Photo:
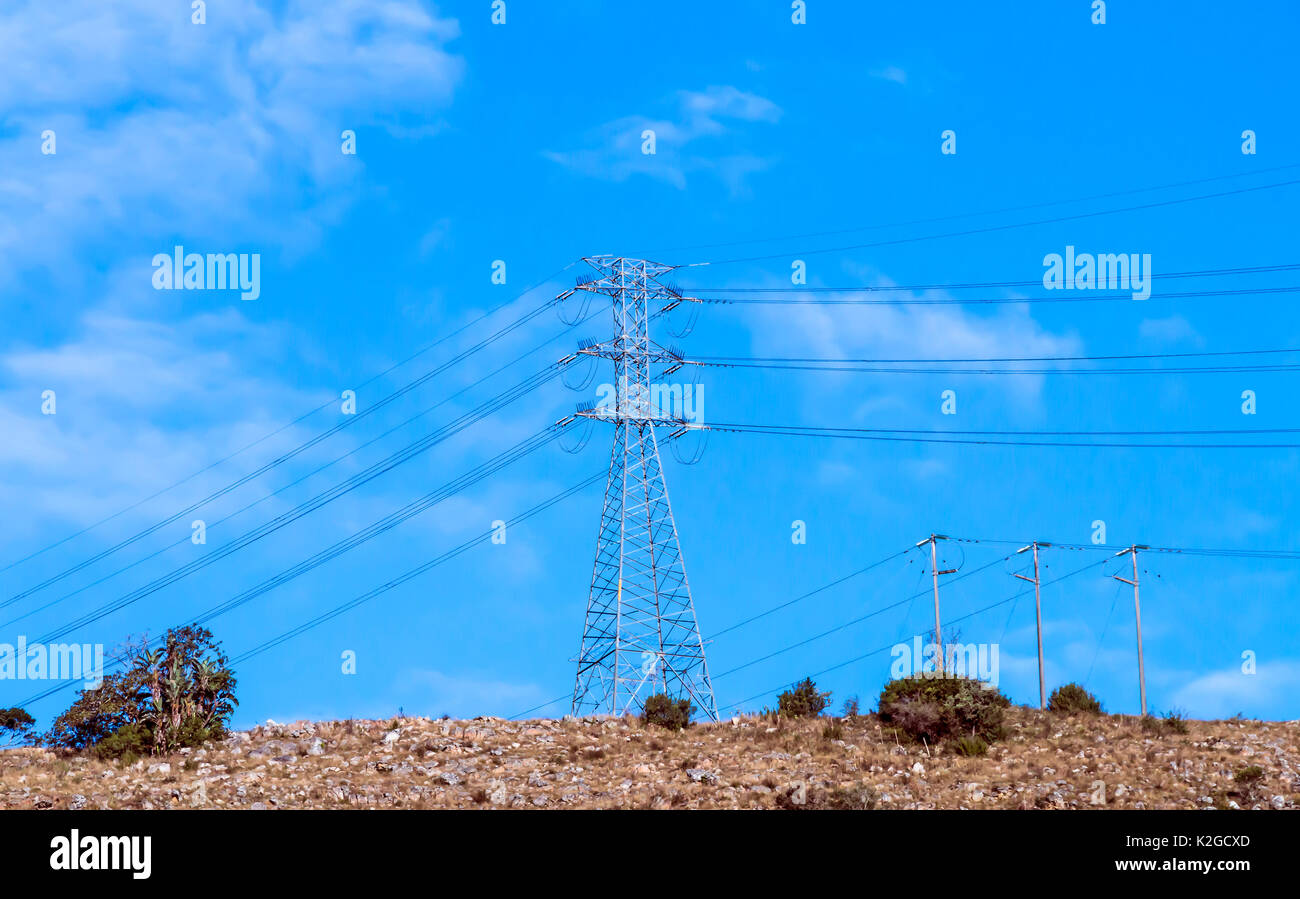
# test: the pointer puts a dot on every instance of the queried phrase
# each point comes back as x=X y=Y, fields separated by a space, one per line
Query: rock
x=1278 y=802
x=317 y=747
x=77 y=802
x=798 y=794
x=918 y=768
x=160 y=768
x=450 y=779
x=699 y=775
x=391 y=737
x=497 y=795
x=258 y=807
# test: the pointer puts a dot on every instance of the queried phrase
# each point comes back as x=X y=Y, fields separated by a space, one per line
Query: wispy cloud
x=176 y=127
x=613 y=151
x=890 y=73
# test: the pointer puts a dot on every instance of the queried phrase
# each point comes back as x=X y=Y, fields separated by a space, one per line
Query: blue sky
x=522 y=142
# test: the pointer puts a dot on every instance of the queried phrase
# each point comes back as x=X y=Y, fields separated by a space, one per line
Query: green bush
x=1072 y=698
x=127 y=743
x=1249 y=774
x=803 y=700
x=938 y=708
x=971 y=746
x=662 y=710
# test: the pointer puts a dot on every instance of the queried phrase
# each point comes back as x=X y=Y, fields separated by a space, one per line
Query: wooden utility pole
x=934 y=569
x=1137 y=610
x=1038 y=612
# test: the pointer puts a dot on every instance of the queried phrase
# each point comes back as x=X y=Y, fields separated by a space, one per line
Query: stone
x=699 y=775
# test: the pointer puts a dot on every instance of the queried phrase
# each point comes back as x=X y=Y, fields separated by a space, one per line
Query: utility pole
x=1137 y=610
x=1038 y=612
x=934 y=569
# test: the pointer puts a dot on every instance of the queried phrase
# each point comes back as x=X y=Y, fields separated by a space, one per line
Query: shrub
x=938 y=708
x=971 y=746
x=851 y=707
x=127 y=743
x=857 y=797
x=1072 y=698
x=1175 y=723
x=803 y=700
x=1249 y=774
x=662 y=710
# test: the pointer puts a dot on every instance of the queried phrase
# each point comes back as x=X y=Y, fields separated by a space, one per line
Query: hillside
x=752 y=762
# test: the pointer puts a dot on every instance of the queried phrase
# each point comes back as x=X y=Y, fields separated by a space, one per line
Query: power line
x=284 y=457
x=1006 y=227
x=316 y=502
x=383 y=588
x=353 y=603
x=1062 y=296
x=300 y=480
x=890 y=646
x=981 y=285
x=893 y=437
x=1020 y=208
x=862 y=369
x=420 y=352
x=974 y=359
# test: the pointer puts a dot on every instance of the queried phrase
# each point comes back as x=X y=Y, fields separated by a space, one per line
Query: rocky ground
x=757 y=762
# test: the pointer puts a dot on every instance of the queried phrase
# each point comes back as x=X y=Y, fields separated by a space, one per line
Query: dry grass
x=1046 y=761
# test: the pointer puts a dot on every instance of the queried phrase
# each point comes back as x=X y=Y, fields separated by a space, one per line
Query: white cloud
x=613 y=150
x=170 y=127
x=139 y=406
x=1269 y=692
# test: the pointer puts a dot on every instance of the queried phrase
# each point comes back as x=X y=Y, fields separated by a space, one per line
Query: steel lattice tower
x=640 y=636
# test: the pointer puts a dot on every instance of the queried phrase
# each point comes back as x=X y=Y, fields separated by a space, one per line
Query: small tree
x=17 y=728
x=662 y=710
x=180 y=694
x=1070 y=698
x=940 y=708
x=803 y=700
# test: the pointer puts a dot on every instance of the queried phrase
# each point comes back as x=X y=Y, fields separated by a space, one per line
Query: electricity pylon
x=641 y=636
